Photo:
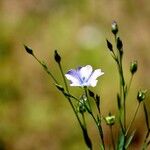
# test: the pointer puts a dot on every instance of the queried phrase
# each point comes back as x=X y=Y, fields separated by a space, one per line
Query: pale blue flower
x=83 y=76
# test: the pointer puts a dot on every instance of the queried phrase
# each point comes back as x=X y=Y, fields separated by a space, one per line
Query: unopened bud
x=141 y=95
x=114 y=27
x=81 y=107
x=110 y=120
x=133 y=66
x=57 y=57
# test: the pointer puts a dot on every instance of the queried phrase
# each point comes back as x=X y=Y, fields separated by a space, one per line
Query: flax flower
x=83 y=76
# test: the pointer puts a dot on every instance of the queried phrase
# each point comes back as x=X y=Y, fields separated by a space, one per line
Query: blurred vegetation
x=33 y=114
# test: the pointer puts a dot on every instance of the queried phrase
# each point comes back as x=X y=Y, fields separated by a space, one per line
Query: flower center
x=83 y=79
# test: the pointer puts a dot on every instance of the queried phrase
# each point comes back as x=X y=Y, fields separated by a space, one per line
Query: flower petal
x=73 y=76
x=93 y=83
x=85 y=72
x=92 y=80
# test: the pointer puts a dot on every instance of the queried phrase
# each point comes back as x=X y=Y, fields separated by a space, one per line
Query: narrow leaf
x=91 y=93
x=109 y=45
x=129 y=140
x=118 y=101
x=86 y=138
x=121 y=142
x=59 y=87
x=98 y=102
x=28 y=50
x=101 y=147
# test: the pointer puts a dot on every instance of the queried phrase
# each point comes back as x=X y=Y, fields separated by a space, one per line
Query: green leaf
x=129 y=140
x=121 y=142
x=118 y=101
x=87 y=138
x=59 y=87
x=109 y=45
x=101 y=147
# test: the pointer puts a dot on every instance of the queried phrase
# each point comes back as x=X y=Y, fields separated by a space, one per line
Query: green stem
x=131 y=122
x=99 y=129
x=67 y=89
x=98 y=126
x=84 y=122
x=122 y=95
x=46 y=69
x=122 y=83
x=62 y=73
x=89 y=109
x=129 y=85
x=145 y=145
x=123 y=92
x=86 y=94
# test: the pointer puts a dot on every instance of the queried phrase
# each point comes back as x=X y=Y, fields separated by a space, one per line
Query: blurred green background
x=33 y=114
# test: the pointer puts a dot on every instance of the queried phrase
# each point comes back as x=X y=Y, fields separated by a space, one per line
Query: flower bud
x=28 y=50
x=114 y=27
x=133 y=66
x=57 y=57
x=141 y=95
x=81 y=107
x=110 y=120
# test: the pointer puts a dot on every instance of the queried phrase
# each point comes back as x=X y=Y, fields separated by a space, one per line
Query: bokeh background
x=33 y=114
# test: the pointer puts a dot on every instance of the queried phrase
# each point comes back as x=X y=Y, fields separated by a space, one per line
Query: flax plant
x=84 y=77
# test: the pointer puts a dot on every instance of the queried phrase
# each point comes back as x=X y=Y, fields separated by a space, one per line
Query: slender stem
x=46 y=69
x=89 y=109
x=67 y=89
x=122 y=83
x=129 y=85
x=84 y=122
x=131 y=122
x=112 y=137
x=123 y=92
x=99 y=129
x=98 y=126
x=145 y=145
x=86 y=94
x=65 y=82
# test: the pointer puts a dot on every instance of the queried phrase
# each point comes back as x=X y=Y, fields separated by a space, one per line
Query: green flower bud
x=141 y=95
x=110 y=120
x=57 y=57
x=133 y=66
x=81 y=107
x=114 y=27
